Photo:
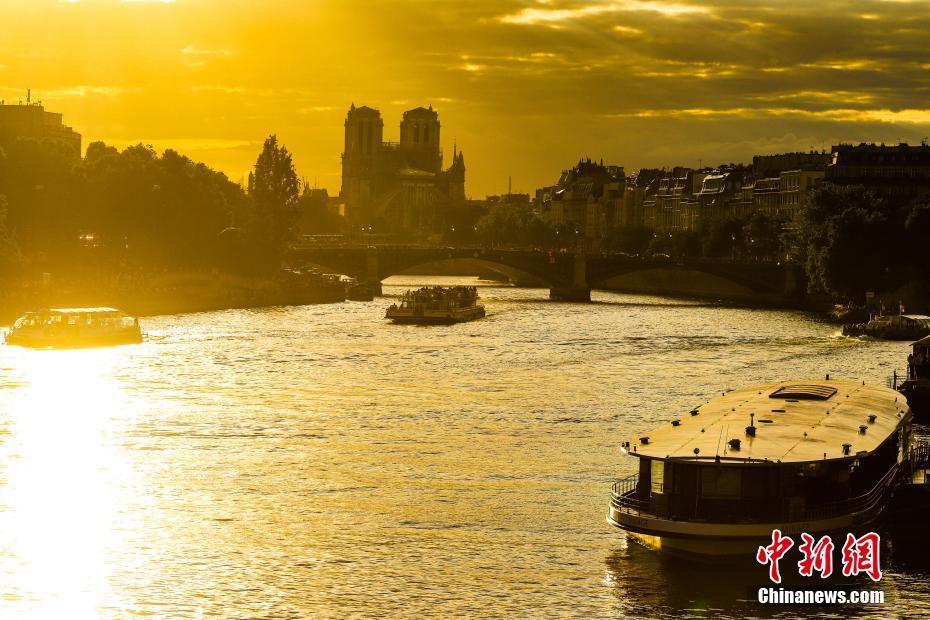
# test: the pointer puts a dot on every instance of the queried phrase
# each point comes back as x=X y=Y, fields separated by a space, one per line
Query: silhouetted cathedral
x=396 y=187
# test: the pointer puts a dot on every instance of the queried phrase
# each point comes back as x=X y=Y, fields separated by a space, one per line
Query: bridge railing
x=350 y=244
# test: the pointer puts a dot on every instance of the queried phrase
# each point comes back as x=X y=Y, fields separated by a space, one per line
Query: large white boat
x=815 y=456
x=67 y=328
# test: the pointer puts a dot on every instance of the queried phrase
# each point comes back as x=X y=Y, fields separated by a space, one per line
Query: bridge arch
x=727 y=280
x=374 y=264
x=569 y=275
x=477 y=266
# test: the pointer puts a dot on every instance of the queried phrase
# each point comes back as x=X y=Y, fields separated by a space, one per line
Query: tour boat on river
x=437 y=305
x=815 y=456
x=68 y=328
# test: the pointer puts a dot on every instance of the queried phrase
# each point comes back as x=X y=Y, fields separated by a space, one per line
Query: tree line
x=118 y=211
x=854 y=240
x=115 y=211
x=849 y=239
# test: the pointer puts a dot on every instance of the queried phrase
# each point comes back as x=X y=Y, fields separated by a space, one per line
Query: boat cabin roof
x=794 y=421
x=83 y=311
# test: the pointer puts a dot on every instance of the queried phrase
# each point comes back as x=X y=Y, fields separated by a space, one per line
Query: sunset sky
x=526 y=88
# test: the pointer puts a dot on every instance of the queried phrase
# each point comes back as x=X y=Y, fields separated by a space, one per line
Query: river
x=317 y=461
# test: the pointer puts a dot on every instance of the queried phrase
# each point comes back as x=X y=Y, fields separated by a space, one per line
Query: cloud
x=216 y=88
x=86 y=91
x=549 y=15
x=535 y=83
x=116 y=1
x=192 y=50
x=833 y=115
x=189 y=145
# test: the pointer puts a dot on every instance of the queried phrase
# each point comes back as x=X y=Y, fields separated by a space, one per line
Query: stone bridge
x=571 y=275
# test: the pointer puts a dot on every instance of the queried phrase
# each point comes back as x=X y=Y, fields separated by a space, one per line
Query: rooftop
x=805 y=421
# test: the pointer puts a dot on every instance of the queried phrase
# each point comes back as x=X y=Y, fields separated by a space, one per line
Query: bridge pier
x=579 y=289
x=372 y=274
x=569 y=293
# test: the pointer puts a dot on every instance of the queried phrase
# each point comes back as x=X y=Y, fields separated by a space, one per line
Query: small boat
x=437 y=305
x=359 y=292
x=815 y=456
x=916 y=388
x=356 y=291
x=70 y=328
x=892 y=327
x=310 y=286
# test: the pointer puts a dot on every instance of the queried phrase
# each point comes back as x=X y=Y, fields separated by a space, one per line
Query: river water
x=318 y=462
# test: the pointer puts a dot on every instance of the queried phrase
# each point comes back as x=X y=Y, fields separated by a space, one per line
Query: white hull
x=729 y=539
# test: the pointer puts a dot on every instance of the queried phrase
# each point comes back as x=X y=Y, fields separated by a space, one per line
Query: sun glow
x=57 y=498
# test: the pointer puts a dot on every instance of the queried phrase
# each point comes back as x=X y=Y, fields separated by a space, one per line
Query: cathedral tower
x=419 y=139
x=363 y=133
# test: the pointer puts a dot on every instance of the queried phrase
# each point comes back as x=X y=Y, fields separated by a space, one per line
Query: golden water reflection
x=319 y=462
x=62 y=481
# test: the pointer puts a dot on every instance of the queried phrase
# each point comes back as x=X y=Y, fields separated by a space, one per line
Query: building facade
x=900 y=172
x=32 y=121
x=784 y=182
x=795 y=191
x=398 y=188
x=768 y=166
x=586 y=201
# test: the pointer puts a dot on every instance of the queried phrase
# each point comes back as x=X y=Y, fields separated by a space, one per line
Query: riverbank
x=174 y=293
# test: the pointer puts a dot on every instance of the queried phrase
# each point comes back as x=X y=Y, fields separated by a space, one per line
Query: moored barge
x=815 y=456
x=437 y=305
x=892 y=327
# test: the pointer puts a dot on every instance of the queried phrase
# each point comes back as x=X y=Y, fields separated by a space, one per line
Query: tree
x=515 y=224
x=853 y=239
x=917 y=231
x=763 y=236
x=630 y=239
x=315 y=216
x=274 y=191
x=10 y=257
x=724 y=238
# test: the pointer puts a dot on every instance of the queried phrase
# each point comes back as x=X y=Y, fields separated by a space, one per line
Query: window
x=658 y=476
x=721 y=482
x=804 y=392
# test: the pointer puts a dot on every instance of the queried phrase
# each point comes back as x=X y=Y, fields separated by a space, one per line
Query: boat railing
x=625 y=498
x=919 y=456
x=896 y=378
x=861 y=503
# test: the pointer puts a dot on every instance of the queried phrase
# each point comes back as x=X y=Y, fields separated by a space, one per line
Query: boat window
x=804 y=392
x=721 y=481
x=658 y=476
